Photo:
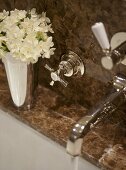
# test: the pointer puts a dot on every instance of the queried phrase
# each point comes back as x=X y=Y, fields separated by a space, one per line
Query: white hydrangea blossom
x=25 y=35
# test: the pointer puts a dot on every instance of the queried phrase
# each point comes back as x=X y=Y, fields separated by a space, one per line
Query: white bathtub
x=23 y=148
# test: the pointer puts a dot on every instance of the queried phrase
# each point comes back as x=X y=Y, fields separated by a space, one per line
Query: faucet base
x=75 y=62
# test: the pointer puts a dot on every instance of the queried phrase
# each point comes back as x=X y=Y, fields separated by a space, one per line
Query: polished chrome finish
x=70 y=65
x=118 y=39
x=117 y=54
x=56 y=76
x=114 y=57
x=103 y=109
x=119 y=82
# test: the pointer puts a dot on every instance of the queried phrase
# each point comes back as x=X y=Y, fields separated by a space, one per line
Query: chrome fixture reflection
x=70 y=65
x=103 y=109
x=115 y=52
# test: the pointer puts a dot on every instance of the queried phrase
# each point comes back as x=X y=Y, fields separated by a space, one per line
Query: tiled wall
x=72 y=21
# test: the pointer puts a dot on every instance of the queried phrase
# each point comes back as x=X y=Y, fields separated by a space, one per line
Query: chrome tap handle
x=55 y=75
x=70 y=65
x=49 y=68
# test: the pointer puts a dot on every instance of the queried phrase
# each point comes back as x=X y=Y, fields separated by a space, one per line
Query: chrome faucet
x=103 y=109
x=70 y=65
x=115 y=51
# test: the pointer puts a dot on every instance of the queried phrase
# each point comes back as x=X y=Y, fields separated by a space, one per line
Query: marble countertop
x=104 y=145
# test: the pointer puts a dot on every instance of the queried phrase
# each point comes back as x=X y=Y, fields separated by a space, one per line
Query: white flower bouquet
x=24 y=37
x=24 y=34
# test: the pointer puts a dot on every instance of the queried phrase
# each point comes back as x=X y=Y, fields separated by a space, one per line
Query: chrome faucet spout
x=104 y=108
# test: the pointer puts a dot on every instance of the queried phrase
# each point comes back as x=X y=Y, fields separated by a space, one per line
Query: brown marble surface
x=104 y=145
x=72 y=21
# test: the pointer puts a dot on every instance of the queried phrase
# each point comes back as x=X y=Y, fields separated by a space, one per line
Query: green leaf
x=3 y=33
x=4 y=46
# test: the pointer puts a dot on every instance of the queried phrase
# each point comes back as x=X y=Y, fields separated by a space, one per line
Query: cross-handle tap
x=96 y=114
x=115 y=51
x=55 y=76
x=70 y=65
